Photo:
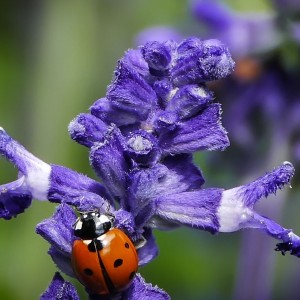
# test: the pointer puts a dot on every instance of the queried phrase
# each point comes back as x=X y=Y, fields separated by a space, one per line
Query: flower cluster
x=262 y=104
x=156 y=113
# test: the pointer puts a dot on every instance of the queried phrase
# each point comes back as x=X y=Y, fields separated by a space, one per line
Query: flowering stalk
x=157 y=112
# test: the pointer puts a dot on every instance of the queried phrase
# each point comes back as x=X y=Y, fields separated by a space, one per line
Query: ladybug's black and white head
x=90 y=225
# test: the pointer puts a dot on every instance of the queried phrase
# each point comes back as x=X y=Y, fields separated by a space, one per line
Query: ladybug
x=104 y=259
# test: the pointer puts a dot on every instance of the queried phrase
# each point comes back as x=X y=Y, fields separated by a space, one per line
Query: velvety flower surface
x=141 y=136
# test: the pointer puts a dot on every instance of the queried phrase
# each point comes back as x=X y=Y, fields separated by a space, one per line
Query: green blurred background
x=56 y=58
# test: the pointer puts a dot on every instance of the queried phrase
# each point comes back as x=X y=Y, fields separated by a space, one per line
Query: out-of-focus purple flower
x=293 y=6
x=157 y=112
x=243 y=33
x=266 y=49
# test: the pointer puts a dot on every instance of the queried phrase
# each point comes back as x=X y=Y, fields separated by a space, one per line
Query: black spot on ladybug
x=131 y=275
x=118 y=262
x=88 y=272
x=126 y=245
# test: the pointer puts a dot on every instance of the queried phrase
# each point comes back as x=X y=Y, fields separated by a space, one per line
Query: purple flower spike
x=141 y=136
x=201 y=62
x=60 y=289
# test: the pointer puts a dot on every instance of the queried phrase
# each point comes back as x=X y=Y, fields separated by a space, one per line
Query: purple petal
x=267 y=184
x=125 y=222
x=203 y=132
x=36 y=172
x=109 y=163
x=189 y=100
x=139 y=289
x=165 y=122
x=199 y=62
x=189 y=174
x=87 y=129
x=235 y=210
x=176 y=176
x=196 y=209
x=62 y=260
x=135 y=59
x=14 y=198
x=142 y=190
x=33 y=180
x=130 y=93
x=150 y=250
x=164 y=90
x=60 y=289
x=58 y=230
x=68 y=186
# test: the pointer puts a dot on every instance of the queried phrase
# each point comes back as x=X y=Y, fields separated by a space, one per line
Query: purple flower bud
x=201 y=62
x=130 y=92
x=107 y=159
x=164 y=91
x=165 y=122
x=142 y=148
x=189 y=100
x=158 y=56
x=104 y=110
x=87 y=129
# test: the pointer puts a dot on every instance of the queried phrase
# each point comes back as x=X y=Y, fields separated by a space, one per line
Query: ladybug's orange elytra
x=104 y=264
